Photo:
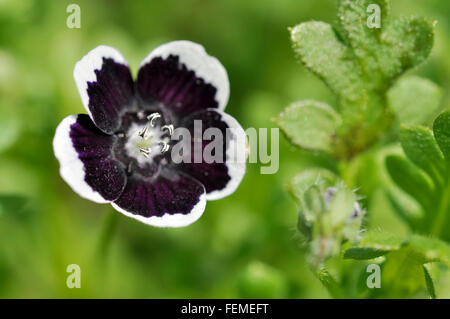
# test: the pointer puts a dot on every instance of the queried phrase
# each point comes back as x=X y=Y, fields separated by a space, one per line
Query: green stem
x=106 y=236
x=329 y=283
x=439 y=219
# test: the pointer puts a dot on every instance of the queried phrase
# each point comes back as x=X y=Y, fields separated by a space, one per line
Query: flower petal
x=219 y=178
x=105 y=85
x=84 y=154
x=184 y=77
x=174 y=201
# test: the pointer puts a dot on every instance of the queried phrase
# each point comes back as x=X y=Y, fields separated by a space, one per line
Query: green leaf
x=342 y=206
x=388 y=51
x=321 y=51
x=430 y=249
x=353 y=20
x=353 y=17
x=441 y=129
x=425 y=249
x=364 y=253
x=413 y=221
x=352 y=228
x=381 y=241
x=302 y=181
x=429 y=283
x=310 y=125
x=410 y=179
x=304 y=227
x=402 y=272
x=419 y=145
x=403 y=269
x=409 y=42
x=414 y=100
x=313 y=201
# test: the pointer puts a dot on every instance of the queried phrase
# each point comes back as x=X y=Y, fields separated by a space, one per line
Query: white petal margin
x=84 y=69
x=195 y=58
x=236 y=157
x=169 y=220
x=71 y=167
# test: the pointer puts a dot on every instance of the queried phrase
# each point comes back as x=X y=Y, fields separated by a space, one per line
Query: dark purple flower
x=119 y=154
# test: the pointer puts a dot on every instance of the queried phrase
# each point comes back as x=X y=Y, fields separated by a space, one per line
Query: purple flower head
x=121 y=152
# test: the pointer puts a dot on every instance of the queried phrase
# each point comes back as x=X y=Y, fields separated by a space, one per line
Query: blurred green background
x=244 y=245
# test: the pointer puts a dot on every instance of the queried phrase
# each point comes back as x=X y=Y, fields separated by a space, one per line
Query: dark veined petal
x=174 y=201
x=184 y=78
x=219 y=178
x=84 y=154
x=105 y=85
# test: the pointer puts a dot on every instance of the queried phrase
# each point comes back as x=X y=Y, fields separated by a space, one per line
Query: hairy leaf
x=313 y=202
x=320 y=50
x=365 y=42
x=301 y=182
x=342 y=206
x=430 y=249
x=309 y=124
x=378 y=47
x=353 y=20
x=364 y=253
x=410 y=179
x=403 y=269
x=403 y=272
x=381 y=241
x=419 y=145
x=414 y=100
x=413 y=221
x=429 y=283
x=416 y=36
x=421 y=248
x=441 y=129
x=304 y=227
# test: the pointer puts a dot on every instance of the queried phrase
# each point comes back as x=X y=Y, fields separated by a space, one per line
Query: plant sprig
x=360 y=66
x=363 y=67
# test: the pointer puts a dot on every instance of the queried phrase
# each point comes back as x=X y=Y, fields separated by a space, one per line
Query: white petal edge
x=194 y=56
x=169 y=220
x=71 y=167
x=84 y=69
x=236 y=156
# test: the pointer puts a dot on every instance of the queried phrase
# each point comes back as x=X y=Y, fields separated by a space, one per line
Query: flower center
x=146 y=141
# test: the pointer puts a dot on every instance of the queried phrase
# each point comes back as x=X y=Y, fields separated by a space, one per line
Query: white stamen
x=143 y=132
x=152 y=117
x=145 y=151
x=169 y=128
x=147 y=136
x=164 y=147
